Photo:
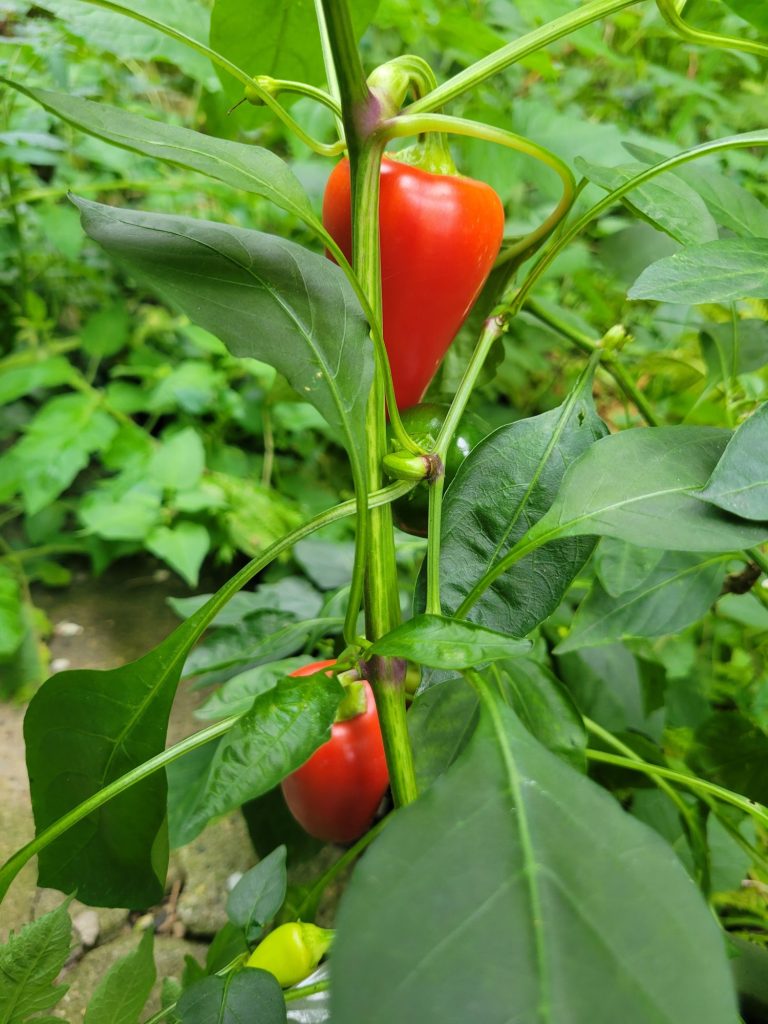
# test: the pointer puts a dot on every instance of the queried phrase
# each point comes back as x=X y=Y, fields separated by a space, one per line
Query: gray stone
x=206 y=865
x=84 y=975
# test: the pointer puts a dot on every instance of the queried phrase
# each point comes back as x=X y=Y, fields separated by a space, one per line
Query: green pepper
x=291 y=952
x=423 y=423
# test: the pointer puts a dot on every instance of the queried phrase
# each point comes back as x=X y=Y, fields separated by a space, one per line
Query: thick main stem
x=360 y=112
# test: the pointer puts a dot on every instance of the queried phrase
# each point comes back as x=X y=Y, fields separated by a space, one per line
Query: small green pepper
x=291 y=952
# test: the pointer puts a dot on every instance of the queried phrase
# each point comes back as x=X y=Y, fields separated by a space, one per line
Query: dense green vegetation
x=127 y=428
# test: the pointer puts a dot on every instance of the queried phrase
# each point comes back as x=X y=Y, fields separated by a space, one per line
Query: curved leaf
x=263 y=296
x=739 y=482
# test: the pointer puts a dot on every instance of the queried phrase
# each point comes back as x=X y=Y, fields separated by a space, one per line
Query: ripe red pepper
x=440 y=235
x=335 y=794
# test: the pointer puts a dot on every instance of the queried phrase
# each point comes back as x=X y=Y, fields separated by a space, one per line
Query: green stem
x=688 y=815
x=14 y=864
x=382 y=613
x=308 y=906
x=760 y=560
x=587 y=345
x=277 y=85
x=672 y=16
x=306 y=990
x=433 y=605
x=10 y=869
x=516 y=51
x=754 y=809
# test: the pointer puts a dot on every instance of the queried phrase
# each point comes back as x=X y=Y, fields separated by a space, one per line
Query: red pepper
x=440 y=235
x=335 y=794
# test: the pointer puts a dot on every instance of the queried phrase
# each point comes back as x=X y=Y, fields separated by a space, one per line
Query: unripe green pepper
x=291 y=952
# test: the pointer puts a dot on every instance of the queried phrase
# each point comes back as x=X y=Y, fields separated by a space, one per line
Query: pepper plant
x=508 y=882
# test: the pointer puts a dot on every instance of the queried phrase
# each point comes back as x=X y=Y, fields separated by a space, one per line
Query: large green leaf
x=247 y=168
x=279 y=38
x=739 y=482
x=506 y=484
x=678 y=592
x=639 y=486
x=753 y=11
x=719 y=271
x=539 y=900
x=265 y=297
x=666 y=201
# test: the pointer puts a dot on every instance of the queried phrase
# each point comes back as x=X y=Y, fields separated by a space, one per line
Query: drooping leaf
x=678 y=592
x=506 y=484
x=120 y=996
x=739 y=481
x=545 y=885
x=263 y=296
x=248 y=995
x=451 y=644
x=30 y=962
x=666 y=201
x=719 y=271
x=11 y=617
x=639 y=486
x=259 y=894
x=283 y=727
x=247 y=168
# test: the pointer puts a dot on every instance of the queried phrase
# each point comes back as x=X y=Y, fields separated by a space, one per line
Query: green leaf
x=20 y=381
x=667 y=202
x=107 y=330
x=120 y=996
x=83 y=729
x=178 y=463
x=182 y=546
x=56 y=445
x=129 y=39
x=753 y=11
x=440 y=642
x=720 y=271
x=259 y=894
x=280 y=39
x=186 y=776
x=506 y=484
x=545 y=885
x=441 y=721
x=30 y=962
x=247 y=168
x=733 y=751
x=731 y=205
x=622 y=567
x=678 y=592
x=283 y=727
x=248 y=995
x=639 y=486
x=735 y=348
x=11 y=618
x=739 y=481
x=115 y=513
x=237 y=694
x=265 y=297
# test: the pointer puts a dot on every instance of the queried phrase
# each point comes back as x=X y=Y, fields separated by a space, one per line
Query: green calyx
x=401 y=465
x=354 y=702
